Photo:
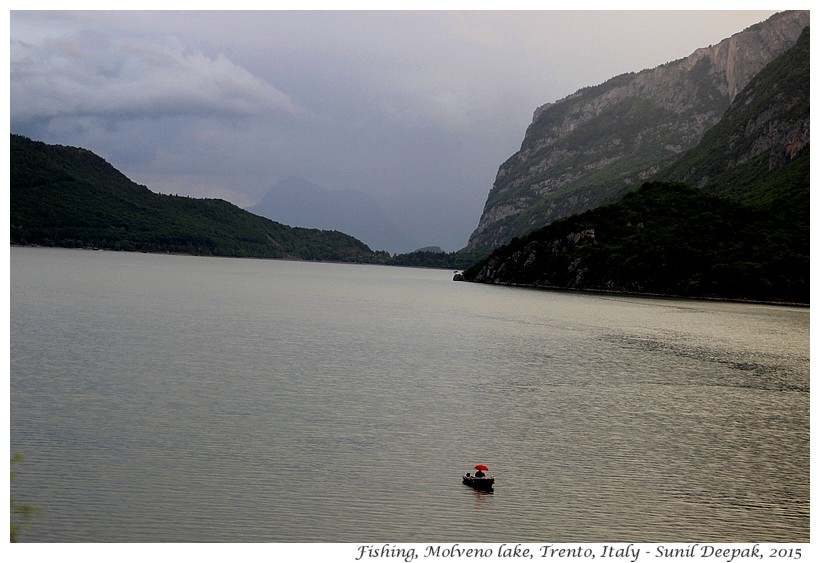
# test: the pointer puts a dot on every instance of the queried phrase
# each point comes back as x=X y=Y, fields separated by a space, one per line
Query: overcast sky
x=417 y=109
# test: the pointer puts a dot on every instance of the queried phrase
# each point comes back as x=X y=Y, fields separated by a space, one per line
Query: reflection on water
x=161 y=398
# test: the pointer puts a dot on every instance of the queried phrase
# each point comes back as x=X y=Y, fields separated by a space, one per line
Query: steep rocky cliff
x=764 y=134
x=738 y=228
x=597 y=144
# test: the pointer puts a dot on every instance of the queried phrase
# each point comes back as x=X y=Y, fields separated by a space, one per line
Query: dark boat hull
x=479 y=483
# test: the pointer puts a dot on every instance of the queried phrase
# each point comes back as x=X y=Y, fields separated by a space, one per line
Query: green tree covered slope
x=70 y=197
x=664 y=239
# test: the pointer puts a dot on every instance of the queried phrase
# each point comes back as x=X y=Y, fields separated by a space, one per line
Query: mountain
x=741 y=232
x=295 y=201
x=599 y=143
x=759 y=151
x=70 y=197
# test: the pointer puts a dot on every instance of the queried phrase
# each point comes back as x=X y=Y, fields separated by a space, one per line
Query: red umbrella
x=482 y=467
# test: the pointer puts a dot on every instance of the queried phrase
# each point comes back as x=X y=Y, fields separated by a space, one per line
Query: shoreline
x=457 y=277
x=624 y=293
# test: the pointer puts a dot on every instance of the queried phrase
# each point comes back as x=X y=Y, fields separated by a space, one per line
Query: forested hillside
x=665 y=239
x=70 y=197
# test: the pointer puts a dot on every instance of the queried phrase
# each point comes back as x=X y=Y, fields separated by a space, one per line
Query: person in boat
x=479 y=474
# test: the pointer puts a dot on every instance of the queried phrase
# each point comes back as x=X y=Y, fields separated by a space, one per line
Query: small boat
x=478 y=483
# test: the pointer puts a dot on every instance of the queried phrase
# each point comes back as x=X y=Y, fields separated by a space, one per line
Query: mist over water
x=183 y=399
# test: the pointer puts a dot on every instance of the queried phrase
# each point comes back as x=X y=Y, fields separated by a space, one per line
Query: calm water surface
x=184 y=399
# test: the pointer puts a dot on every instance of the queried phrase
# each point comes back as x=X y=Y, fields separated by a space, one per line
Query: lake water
x=183 y=399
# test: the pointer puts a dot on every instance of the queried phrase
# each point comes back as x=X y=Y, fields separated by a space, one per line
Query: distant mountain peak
x=299 y=202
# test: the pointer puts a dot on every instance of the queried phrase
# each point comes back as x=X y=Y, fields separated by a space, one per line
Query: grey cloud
x=130 y=79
